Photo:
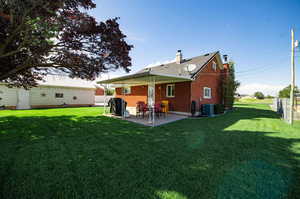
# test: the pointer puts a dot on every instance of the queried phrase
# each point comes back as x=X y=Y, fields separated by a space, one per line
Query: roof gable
x=180 y=69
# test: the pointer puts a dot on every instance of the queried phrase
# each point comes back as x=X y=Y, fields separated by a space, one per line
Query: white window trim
x=204 y=96
x=167 y=94
x=128 y=89
x=214 y=66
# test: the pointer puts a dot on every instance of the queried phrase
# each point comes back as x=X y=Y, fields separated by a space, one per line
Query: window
x=206 y=93
x=126 y=90
x=214 y=66
x=59 y=95
x=170 y=90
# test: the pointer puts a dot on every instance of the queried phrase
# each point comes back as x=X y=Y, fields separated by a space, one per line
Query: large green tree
x=230 y=85
x=285 y=93
x=259 y=95
x=42 y=36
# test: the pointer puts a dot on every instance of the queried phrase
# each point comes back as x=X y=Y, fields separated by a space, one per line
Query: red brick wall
x=207 y=78
x=99 y=91
x=181 y=101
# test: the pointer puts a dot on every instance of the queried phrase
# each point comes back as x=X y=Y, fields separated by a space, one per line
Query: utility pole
x=292 y=79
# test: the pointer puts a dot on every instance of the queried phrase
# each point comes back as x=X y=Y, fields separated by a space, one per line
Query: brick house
x=99 y=91
x=196 y=79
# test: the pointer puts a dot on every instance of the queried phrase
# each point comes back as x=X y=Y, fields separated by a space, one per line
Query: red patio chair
x=158 y=109
x=141 y=109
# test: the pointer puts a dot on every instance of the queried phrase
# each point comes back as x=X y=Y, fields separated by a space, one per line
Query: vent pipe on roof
x=178 y=57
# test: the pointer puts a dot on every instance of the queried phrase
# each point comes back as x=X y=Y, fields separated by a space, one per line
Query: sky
x=255 y=34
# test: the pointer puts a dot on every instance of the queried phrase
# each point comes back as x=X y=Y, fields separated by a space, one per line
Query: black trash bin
x=117 y=106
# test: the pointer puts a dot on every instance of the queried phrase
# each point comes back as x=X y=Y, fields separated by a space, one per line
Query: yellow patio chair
x=165 y=106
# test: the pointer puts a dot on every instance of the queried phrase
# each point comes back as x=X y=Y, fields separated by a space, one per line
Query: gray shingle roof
x=174 y=71
x=180 y=69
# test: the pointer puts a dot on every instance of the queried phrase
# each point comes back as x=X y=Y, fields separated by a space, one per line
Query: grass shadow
x=71 y=156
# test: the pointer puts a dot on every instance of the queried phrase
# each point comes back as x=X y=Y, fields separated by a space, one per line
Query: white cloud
x=136 y=38
x=159 y=63
x=267 y=89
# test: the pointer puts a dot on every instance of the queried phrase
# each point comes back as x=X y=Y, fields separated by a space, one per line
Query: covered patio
x=149 y=79
x=145 y=121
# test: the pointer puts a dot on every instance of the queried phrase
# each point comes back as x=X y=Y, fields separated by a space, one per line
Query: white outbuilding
x=53 y=91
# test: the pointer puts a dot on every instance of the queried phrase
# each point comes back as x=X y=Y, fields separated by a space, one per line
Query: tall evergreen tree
x=230 y=86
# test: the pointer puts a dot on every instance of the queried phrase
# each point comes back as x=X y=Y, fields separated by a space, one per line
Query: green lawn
x=77 y=153
x=255 y=101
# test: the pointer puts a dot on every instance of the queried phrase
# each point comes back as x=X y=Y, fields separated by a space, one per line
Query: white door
x=23 y=99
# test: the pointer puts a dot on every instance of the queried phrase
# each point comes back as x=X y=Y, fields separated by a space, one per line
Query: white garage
x=54 y=91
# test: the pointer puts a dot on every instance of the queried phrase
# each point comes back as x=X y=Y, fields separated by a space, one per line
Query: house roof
x=180 y=69
x=143 y=78
x=166 y=72
x=65 y=81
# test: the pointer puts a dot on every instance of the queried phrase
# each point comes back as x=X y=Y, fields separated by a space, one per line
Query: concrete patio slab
x=158 y=120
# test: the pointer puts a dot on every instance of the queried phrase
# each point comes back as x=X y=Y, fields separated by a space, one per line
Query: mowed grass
x=255 y=101
x=77 y=153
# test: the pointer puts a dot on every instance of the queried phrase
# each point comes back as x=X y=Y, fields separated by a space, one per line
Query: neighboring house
x=196 y=79
x=99 y=91
x=53 y=91
x=100 y=98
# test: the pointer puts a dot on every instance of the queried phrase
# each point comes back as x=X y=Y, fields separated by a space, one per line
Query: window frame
x=128 y=88
x=214 y=65
x=204 y=94
x=167 y=90
x=61 y=95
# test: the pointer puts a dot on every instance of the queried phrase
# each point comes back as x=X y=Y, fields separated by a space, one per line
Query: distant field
x=254 y=101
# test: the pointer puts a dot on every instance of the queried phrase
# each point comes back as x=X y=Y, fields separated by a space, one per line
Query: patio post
x=151 y=100
x=123 y=99
x=153 y=112
x=148 y=101
x=104 y=103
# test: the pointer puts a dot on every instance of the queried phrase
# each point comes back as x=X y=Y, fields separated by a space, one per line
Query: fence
x=101 y=100
x=282 y=107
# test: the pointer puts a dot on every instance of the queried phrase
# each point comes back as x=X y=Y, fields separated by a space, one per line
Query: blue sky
x=255 y=34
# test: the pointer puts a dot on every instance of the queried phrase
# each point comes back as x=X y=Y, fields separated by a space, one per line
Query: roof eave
x=144 y=74
x=135 y=75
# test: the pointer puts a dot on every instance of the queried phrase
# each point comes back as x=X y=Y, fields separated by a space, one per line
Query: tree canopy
x=41 y=36
x=230 y=85
x=285 y=93
x=259 y=95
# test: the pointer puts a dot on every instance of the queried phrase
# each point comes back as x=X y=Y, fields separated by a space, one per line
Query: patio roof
x=145 y=78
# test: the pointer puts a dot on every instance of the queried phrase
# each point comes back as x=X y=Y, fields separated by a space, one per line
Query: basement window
x=206 y=93
x=59 y=95
x=170 y=90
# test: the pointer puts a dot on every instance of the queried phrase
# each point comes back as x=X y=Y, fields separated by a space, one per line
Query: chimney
x=225 y=57
x=178 y=57
x=225 y=64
